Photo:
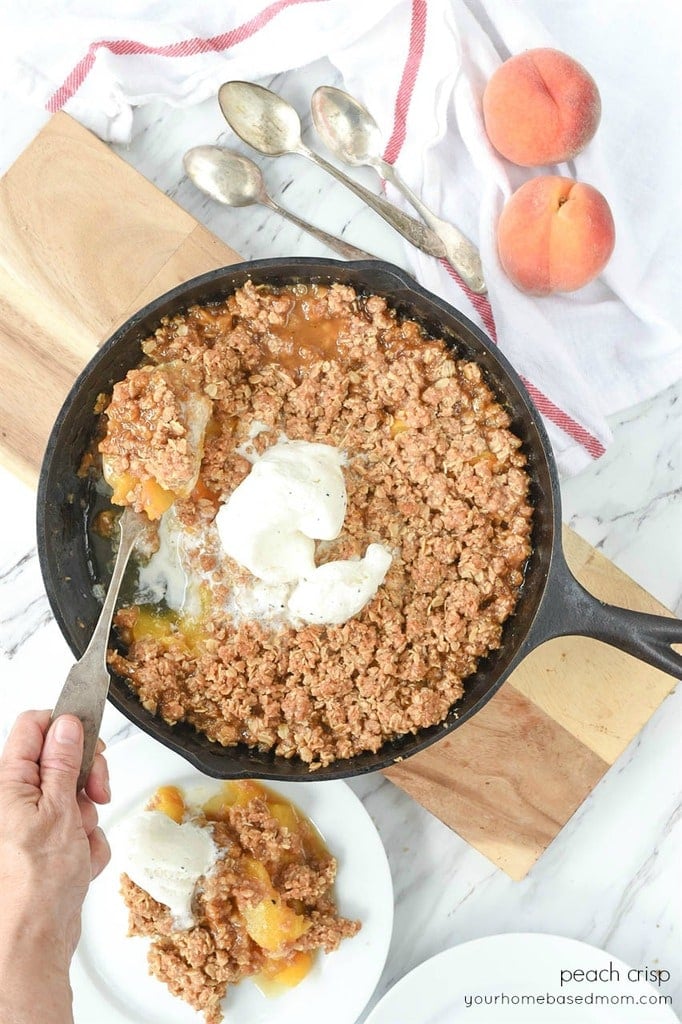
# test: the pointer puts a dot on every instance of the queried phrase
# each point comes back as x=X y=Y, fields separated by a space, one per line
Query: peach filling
x=270 y=922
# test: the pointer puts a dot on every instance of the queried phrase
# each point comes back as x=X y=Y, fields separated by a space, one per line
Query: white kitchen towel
x=421 y=66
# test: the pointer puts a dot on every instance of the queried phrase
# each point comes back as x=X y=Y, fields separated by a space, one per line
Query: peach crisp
x=264 y=909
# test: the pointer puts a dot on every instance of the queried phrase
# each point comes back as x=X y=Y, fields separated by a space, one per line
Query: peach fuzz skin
x=555 y=235
x=541 y=107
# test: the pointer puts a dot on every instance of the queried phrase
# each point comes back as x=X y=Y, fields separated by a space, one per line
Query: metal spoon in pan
x=85 y=690
x=236 y=181
x=270 y=125
x=350 y=132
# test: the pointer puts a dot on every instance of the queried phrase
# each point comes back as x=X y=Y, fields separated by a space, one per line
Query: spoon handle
x=85 y=690
x=345 y=249
x=459 y=251
x=415 y=232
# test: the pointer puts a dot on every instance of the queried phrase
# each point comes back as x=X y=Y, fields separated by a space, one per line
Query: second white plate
x=109 y=975
x=517 y=979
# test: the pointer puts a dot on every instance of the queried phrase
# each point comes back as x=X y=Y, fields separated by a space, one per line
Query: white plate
x=520 y=965
x=109 y=971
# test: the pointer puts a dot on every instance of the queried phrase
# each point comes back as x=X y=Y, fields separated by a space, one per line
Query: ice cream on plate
x=228 y=882
x=167 y=859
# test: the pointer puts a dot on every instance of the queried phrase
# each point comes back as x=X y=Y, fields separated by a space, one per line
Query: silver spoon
x=270 y=125
x=85 y=691
x=350 y=132
x=236 y=181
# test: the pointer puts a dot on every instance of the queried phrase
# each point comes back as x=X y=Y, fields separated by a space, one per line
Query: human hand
x=50 y=850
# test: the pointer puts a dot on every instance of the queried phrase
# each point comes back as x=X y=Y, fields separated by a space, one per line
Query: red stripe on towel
x=562 y=419
x=415 y=52
x=184 y=48
x=219 y=43
x=481 y=303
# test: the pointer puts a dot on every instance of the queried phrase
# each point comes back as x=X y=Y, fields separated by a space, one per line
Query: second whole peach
x=555 y=235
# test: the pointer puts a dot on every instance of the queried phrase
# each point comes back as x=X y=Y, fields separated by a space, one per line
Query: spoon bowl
x=227 y=177
x=261 y=118
x=349 y=131
x=270 y=125
x=237 y=181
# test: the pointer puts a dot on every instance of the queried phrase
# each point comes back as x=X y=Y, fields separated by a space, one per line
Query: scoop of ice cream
x=335 y=592
x=167 y=860
x=295 y=494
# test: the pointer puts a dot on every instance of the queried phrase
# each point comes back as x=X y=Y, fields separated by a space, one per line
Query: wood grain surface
x=510 y=778
x=507 y=780
x=85 y=241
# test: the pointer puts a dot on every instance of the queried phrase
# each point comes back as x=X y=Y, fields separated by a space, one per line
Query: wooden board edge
x=506 y=781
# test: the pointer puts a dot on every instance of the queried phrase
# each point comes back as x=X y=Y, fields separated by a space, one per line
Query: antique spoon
x=270 y=125
x=237 y=181
x=85 y=691
x=349 y=131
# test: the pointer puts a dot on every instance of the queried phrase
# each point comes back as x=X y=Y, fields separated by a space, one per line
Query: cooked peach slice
x=293 y=971
x=232 y=794
x=283 y=973
x=272 y=924
x=246 y=790
x=152 y=623
x=169 y=801
x=286 y=815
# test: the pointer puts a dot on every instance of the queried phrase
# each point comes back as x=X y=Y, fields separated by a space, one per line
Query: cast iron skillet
x=552 y=602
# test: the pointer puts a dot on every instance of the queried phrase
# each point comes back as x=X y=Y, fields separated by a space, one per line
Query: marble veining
x=611 y=877
x=24 y=607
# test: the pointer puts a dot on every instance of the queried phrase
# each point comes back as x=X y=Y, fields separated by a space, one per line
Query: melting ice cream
x=295 y=495
x=167 y=860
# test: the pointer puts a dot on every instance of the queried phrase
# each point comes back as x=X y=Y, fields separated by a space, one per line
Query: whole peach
x=541 y=107
x=555 y=235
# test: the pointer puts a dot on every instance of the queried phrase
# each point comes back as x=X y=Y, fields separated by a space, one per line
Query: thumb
x=60 y=758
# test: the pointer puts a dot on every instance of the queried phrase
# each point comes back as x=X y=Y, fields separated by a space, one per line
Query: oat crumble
x=433 y=470
x=266 y=909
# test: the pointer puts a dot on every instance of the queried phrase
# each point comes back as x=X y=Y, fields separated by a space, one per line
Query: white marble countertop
x=611 y=877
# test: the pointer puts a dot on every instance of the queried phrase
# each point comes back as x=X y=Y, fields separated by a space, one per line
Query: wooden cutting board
x=84 y=242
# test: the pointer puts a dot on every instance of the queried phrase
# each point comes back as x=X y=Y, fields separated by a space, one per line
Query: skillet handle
x=569 y=610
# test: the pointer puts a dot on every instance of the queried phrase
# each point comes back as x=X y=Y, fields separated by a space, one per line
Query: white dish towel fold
x=420 y=66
